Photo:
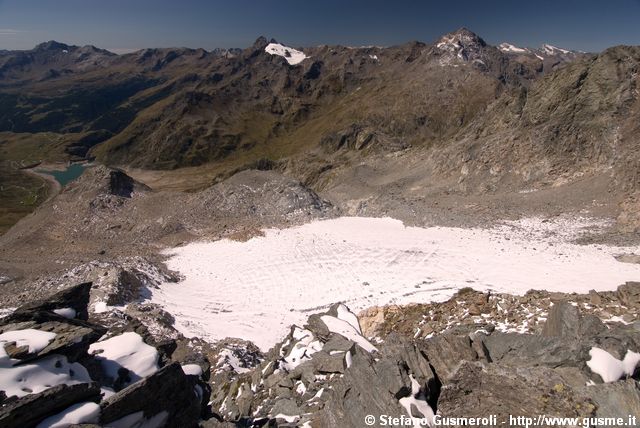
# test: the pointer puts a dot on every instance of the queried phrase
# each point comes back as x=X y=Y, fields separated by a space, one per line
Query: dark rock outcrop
x=478 y=390
x=379 y=386
x=73 y=336
x=469 y=369
x=167 y=397
x=169 y=390
x=120 y=184
x=27 y=411
x=76 y=298
x=565 y=320
x=447 y=352
x=629 y=294
x=616 y=399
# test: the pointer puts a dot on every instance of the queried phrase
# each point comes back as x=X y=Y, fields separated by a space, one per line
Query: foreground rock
x=162 y=397
x=54 y=369
x=33 y=408
x=328 y=373
x=119 y=368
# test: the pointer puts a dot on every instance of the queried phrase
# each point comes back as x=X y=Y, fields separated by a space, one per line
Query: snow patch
x=302 y=350
x=100 y=307
x=36 y=340
x=553 y=50
x=41 y=375
x=6 y=311
x=318 y=395
x=127 y=350
x=347 y=330
x=226 y=356
x=346 y=315
x=137 y=420
x=507 y=47
x=106 y=392
x=289 y=419
x=616 y=318
x=292 y=56
x=419 y=403
x=609 y=367
x=81 y=413
x=192 y=369
x=66 y=312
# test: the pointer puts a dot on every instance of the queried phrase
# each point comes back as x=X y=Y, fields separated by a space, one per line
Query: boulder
x=629 y=294
x=377 y=386
x=565 y=320
x=323 y=362
x=73 y=336
x=618 y=340
x=616 y=399
x=75 y=298
x=528 y=350
x=317 y=327
x=478 y=389
x=337 y=343
x=120 y=184
x=168 y=390
x=118 y=286
x=286 y=407
x=446 y=352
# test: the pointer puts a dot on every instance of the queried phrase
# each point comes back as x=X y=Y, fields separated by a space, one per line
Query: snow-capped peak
x=292 y=56
x=508 y=47
x=543 y=52
x=553 y=50
x=462 y=45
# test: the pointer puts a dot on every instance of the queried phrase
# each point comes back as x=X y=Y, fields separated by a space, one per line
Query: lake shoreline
x=53 y=186
x=45 y=172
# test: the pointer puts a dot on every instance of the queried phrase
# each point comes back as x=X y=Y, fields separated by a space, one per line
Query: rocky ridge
x=328 y=374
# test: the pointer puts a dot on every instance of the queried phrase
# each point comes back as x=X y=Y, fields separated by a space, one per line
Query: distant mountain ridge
x=103 y=93
x=481 y=113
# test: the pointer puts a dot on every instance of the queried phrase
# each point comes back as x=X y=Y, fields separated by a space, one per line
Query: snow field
x=256 y=289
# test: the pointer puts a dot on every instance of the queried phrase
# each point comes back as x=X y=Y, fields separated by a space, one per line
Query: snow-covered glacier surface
x=256 y=289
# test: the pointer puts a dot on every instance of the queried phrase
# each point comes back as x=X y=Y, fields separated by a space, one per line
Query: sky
x=126 y=25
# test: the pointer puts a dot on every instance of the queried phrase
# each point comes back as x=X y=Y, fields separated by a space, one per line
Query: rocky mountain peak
x=52 y=45
x=461 y=45
x=260 y=43
x=462 y=37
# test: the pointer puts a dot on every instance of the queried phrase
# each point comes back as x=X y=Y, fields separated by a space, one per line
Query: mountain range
x=481 y=118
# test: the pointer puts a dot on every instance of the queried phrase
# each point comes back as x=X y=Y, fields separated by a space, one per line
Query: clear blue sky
x=589 y=25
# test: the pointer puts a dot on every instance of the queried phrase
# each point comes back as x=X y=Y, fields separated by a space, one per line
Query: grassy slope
x=21 y=193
